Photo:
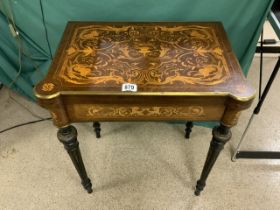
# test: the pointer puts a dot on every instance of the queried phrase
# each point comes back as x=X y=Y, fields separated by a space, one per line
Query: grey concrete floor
x=137 y=165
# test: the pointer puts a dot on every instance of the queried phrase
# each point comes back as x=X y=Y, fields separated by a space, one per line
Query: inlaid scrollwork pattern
x=142 y=111
x=144 y=55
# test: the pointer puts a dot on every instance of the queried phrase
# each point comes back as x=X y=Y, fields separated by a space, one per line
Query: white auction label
x=129 y=87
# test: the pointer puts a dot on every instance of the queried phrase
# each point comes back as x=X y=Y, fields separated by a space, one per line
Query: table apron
x=144 y=109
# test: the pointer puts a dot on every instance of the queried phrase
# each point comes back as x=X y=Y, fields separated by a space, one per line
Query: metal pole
x=259 y=105
x=242 y=138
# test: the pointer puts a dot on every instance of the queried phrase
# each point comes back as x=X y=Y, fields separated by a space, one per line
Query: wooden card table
x=165 y=71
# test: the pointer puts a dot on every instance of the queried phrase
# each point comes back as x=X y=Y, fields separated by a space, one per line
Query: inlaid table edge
x=240 y=98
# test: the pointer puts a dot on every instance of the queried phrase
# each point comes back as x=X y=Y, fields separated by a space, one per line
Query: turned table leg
x=188 y=129
x=68 y=136
x=221 y=135
x=97 y=129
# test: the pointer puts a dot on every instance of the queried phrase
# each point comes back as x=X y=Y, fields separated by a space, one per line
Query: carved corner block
x=233 y=111
x=230 y=117
x=57 y=110
x=48 y=96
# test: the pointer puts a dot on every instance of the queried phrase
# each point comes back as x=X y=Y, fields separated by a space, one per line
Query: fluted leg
x=68 y=136
x=221 y=135
x=97 y=129
x=188 y=129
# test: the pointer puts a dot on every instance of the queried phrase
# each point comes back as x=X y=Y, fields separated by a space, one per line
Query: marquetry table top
x=160 y=58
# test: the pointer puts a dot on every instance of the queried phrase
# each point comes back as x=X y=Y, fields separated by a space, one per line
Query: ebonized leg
x=97 y=129
x=68 y=136
x=221 y=135
x=188 y=129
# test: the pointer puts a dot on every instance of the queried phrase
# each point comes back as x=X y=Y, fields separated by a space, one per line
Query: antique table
x=165 y=71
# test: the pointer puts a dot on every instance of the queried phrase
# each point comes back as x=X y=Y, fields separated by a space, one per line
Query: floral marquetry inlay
x=108 y=55
x=140 y=111
x=47 y=87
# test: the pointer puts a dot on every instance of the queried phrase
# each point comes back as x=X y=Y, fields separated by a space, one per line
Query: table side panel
x=132 y=108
